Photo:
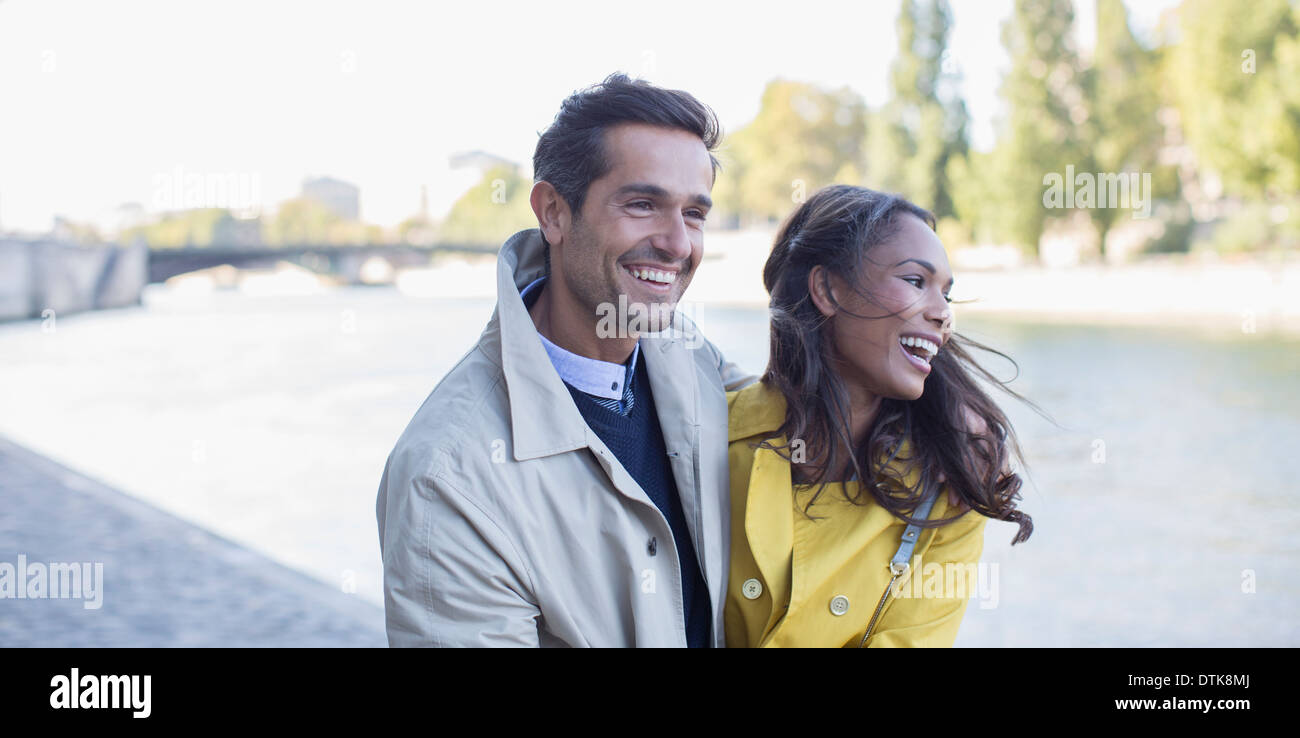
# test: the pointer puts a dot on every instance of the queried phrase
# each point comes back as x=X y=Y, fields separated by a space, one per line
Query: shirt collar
x=595 y=377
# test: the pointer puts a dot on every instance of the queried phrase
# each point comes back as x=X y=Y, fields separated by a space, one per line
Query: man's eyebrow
x=929 y=267
x=651 y=190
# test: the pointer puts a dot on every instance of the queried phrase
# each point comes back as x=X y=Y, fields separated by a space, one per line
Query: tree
x=490 y=211
x=1045 y=105
x=1122 y=129
x=924 y=125
x=300 y=220
x=182 y=228
x=1236 y=76
x=803 y=138
x=303 y=220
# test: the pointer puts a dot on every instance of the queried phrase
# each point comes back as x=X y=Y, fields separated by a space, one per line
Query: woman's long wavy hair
x=836 y=229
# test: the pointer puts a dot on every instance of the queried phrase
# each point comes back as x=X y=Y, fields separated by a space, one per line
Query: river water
x=1164 y=496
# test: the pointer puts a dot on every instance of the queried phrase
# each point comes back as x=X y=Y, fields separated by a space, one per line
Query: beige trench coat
x=505 y=521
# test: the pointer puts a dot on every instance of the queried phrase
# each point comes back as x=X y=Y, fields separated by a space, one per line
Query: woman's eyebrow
x=924 y=263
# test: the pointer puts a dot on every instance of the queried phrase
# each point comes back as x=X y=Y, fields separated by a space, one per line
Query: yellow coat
x=801 y=582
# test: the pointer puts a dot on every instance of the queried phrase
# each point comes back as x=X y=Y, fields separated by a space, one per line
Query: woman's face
x=887 y=331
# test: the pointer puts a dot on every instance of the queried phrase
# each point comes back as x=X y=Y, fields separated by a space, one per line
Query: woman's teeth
x=928 y=348
x=653 y=275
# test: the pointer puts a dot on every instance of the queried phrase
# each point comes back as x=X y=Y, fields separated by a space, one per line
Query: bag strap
x=903 y=556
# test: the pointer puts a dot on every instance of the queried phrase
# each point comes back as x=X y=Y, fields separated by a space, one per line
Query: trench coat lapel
x=675 y=385
x=543 y=418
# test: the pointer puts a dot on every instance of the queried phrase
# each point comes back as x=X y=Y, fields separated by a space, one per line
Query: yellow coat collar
x=759 y=409
x=755 y=409
x=767 y=490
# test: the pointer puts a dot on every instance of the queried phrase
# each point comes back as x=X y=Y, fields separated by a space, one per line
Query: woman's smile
x=920 y=349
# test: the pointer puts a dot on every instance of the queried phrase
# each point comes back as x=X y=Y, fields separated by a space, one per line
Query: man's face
x=641 y=230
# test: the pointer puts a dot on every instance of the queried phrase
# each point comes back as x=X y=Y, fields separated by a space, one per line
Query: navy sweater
x=638 y=442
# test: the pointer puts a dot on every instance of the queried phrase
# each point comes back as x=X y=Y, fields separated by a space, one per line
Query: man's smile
x=657 y=278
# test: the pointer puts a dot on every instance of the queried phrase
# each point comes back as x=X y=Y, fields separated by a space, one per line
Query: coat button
x=752 y=588
x=839 y=605
x=652 y=546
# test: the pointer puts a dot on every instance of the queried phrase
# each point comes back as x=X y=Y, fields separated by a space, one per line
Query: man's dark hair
x=570 y=153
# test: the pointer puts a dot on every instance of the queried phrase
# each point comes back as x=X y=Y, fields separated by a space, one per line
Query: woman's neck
x=863 y=408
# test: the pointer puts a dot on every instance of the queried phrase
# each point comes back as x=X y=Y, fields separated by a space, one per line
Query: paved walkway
x=165 y=582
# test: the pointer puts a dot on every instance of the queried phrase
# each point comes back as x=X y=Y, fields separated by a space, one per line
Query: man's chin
x=651 y=316
x=631 y=316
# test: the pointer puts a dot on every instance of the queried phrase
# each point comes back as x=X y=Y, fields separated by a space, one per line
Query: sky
x=105 y=103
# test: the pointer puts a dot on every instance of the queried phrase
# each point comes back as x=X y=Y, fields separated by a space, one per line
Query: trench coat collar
x=543 y=418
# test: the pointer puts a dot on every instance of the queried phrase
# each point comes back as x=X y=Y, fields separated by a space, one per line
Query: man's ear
x=822 y=290
x=552 y=212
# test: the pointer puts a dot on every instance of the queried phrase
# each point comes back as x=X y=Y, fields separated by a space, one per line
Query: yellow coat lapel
x=769 y=517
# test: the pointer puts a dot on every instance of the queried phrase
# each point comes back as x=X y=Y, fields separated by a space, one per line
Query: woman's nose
x=942 y=314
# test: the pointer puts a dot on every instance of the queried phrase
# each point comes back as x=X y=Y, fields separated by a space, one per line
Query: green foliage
x=1045 y=107
x=1177 y=238
x=300 y=220
x=802 y=139
x=952 y=233
x=1256 y=227
x=1235 y=71
x=1122 y=131
x=989 y=192
x=923 y=126
x=186 y=228
x=490 y=211
x=979 y=200
x=1104 y=115
x=303 y=220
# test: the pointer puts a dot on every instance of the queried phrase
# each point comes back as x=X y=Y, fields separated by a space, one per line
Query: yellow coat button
x=839 y=605
x=752 y=588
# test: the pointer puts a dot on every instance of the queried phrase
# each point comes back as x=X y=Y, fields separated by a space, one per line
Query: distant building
x=339 y=197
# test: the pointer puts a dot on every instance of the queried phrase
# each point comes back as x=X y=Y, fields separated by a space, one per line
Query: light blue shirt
x=602 y=379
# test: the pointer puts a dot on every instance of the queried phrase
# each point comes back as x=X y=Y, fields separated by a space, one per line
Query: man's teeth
x=928 y=346
x=654 y=275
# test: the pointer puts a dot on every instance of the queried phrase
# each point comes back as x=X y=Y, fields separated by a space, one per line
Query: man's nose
x=674 y=241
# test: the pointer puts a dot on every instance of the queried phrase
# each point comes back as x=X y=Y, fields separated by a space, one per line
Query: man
x=566 y=483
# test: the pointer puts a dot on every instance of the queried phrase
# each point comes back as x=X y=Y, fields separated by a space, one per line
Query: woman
x=866 y=381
